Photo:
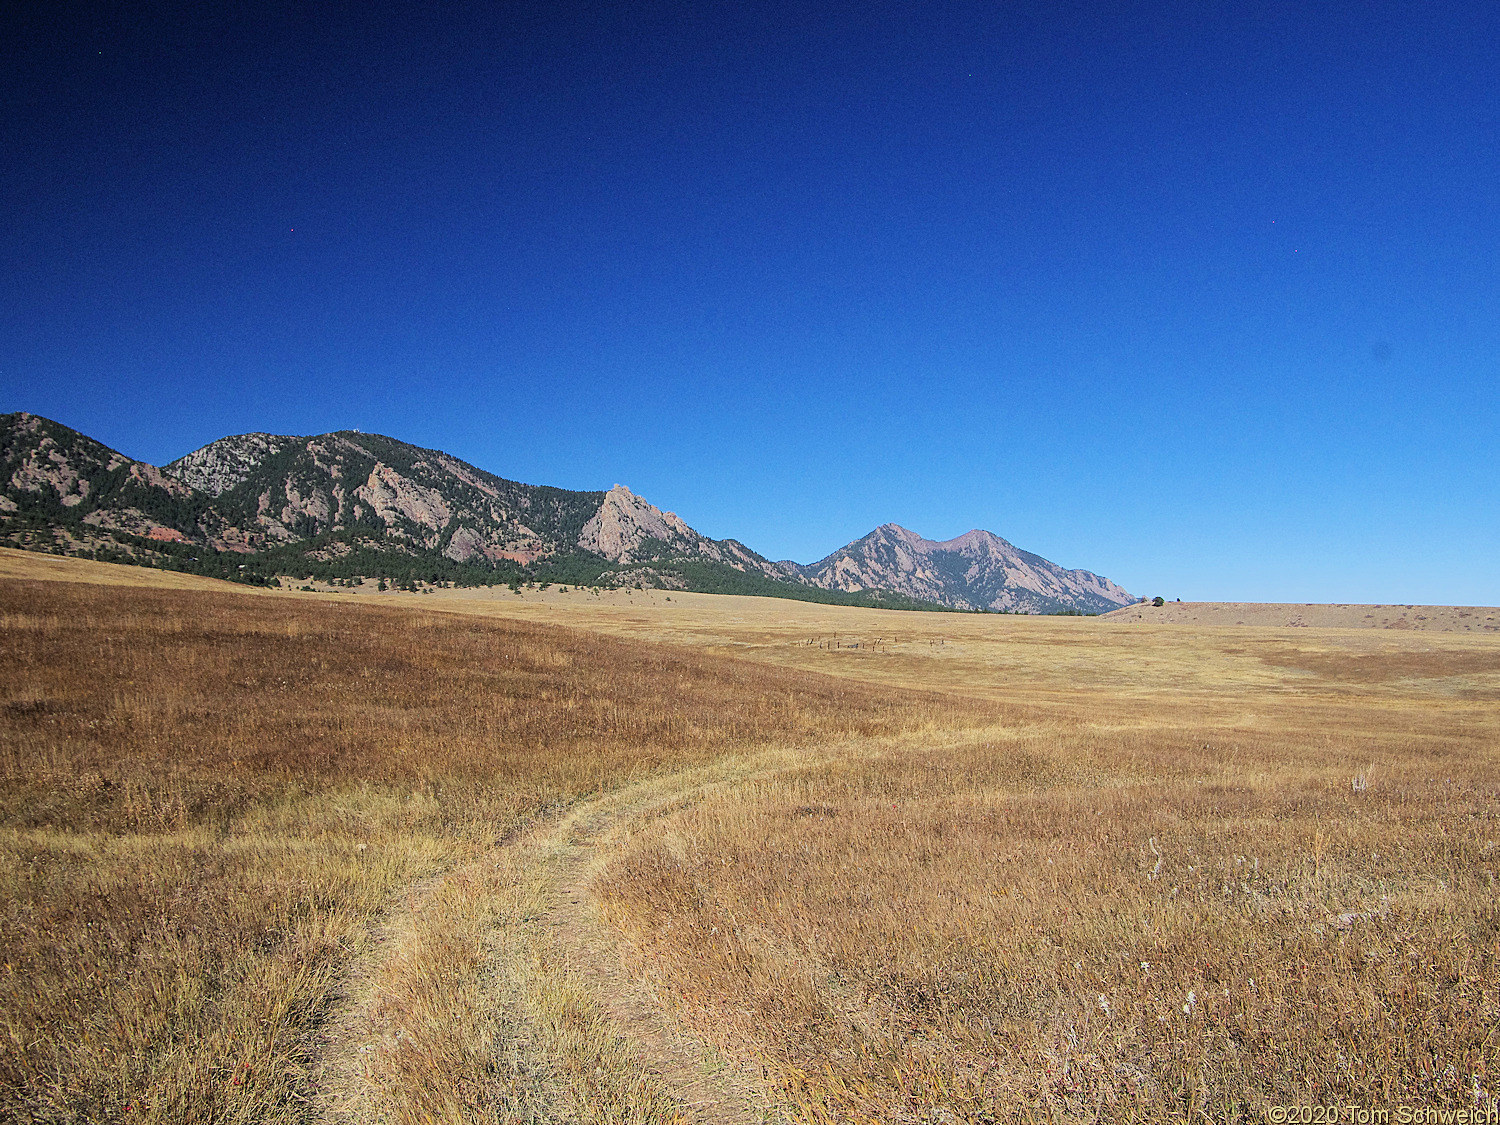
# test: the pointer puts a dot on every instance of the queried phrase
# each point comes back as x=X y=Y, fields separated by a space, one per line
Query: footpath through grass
x=1002 y=869
x=207 y=801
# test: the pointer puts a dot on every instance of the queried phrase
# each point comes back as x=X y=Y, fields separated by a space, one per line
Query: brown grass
x=945 y=868
x=206 y=799
x=1154 y=906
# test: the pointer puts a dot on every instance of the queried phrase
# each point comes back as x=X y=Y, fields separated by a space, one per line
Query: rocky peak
x=978 y=542
x=625 y=521
x=222 y=465
x=976 y=570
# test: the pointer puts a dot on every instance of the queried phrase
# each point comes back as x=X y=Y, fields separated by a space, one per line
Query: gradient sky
x=1202 y=299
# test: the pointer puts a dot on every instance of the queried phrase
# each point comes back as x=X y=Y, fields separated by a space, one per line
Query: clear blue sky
x=1203 y=299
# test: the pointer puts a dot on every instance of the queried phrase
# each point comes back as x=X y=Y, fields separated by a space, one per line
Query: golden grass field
x=468 y=856
x=1292 y=615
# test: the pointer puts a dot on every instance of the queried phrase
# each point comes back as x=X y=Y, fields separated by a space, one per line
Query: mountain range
x=347 y=504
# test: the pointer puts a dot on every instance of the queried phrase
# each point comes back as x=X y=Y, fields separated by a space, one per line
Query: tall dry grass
x=1093 y=873
x=209 y=800
x=1147 y=918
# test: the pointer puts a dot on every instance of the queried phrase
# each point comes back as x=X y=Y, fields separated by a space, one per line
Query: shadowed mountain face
x=348 y=503
x=978 y=570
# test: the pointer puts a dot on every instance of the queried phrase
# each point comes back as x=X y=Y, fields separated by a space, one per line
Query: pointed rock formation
x=624 y=522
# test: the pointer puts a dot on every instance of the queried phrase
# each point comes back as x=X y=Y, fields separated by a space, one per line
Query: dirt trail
x=712 y=1088
x=555 y=861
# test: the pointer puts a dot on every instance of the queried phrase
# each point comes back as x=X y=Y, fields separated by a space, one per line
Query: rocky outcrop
x=977 y=570
x=628 y=529
x=624 y=522
x=280 y=490
x=396 y=500
x=226 y=463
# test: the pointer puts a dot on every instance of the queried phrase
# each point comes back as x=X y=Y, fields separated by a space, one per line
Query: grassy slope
x=965 y=914
x=207 y=797
x=980 y=922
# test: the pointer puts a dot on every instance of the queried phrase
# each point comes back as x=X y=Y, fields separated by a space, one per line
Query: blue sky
x=1205 y=301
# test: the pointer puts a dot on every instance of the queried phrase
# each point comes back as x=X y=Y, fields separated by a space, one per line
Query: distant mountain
x=293 y=489
x=347 y=504
x=978 y=570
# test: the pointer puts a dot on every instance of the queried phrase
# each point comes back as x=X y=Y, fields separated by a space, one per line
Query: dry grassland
x=1091 y=924
x=1297 y=615
x=210 y=800
x=1210 y=871
x=896 y=867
